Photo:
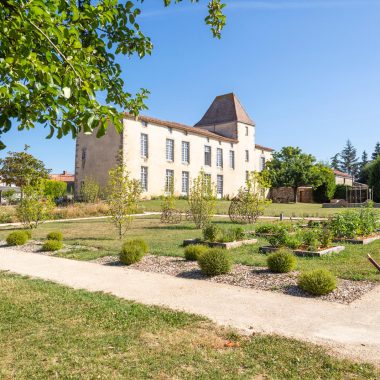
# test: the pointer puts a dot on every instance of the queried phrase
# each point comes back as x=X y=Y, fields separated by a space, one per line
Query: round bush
x=17 y=238
x=55 y=235
x=215 y=261
x=282 y=261
x=193 y=252
x=133 y=251
x=52 y=245
x=317 y=282
x=28 y=233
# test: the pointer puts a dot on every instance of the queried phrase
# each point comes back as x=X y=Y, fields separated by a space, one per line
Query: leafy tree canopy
x=56 y=55
x=374 y=178
x=21 y=169
x=376 y=152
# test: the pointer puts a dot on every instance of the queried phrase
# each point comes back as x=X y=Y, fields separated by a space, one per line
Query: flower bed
x=306 y=252
x=358 y=240
x=227 y=245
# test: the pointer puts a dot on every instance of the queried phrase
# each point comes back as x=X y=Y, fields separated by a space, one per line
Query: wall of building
x=157 y=164
x=96 y=156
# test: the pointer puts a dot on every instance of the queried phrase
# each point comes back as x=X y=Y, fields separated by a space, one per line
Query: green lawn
x=303 y=210
x=49 y=331
x=97 y=238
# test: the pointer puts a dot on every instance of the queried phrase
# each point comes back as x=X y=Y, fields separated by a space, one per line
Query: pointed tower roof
x=224 y=109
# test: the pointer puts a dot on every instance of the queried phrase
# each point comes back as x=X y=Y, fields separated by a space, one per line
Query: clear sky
x=307 y=71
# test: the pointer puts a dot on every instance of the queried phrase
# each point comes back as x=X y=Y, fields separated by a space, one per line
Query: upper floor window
x=169 y=150
x=144 y=145
x=246 y=131
x=207 y=155
x=185 y=152
x=144 y=123
x=144 y=178
x=262 y=163
x=84 y=156
x=169 y=181
x=219 y=157
x=232 y=159
x=247 y=156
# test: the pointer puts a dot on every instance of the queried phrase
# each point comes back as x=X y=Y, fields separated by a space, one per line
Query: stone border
x=229 y=245
x=364 y=241
x=300 y=252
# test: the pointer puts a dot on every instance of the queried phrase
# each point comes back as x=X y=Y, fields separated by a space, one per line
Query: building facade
x=160 y=153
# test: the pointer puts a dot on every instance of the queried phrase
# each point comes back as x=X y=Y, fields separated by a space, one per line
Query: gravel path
x=244 y=276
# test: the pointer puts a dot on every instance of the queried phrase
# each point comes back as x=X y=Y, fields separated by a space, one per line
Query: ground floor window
x=219 y=185
x=144 y=178
x=169 y=181
x=185 y=183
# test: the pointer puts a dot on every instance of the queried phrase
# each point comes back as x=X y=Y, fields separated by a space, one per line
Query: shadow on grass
x=176 y=227
x=93 y=238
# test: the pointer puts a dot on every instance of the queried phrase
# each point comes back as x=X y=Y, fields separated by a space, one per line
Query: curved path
x=350 y=330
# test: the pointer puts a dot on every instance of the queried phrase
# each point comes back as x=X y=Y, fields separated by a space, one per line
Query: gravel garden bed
x=245 y=276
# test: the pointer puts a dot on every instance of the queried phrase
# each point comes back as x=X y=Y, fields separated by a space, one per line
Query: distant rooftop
x=224 y=109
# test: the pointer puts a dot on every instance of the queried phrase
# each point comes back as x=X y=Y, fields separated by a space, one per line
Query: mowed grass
x=93 y=239
x=303 y=210
x=49 y=331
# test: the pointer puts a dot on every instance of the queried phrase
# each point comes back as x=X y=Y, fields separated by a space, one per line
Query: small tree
x=35 y=207
x=89 y=191
x=374 y=178
x=123 y=194
x=324 y=183
x=169 y=214
x=202 y=200
x=251 y=201
x=9 y=195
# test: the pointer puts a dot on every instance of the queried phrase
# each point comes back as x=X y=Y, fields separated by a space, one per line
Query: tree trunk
x=295 y=190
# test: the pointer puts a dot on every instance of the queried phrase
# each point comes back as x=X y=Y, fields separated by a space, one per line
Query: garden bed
x=245 y=276
x=304 y=252
x=228 y=245
x=358 y=240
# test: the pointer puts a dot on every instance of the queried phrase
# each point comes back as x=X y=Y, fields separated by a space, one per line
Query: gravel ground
x=244 y=276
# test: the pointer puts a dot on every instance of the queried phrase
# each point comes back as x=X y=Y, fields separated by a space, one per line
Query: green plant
x=55 y=189
x=312 y=239
x=123 y=194
x=279 y=237
x=282 y=261
x=133 y=251
x=239 y=233
x=211 y=232
x=55 y=235
x=9 y=196
x=28 y=233
x=89 y=191
x=317 y=282
x=202 y=200
x=215 y=261
x=293 y=241
x=34 y=208
x=52 y=245
x=17 y=238
x=193 y=252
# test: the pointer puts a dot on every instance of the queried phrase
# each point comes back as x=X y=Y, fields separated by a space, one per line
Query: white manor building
x=157 y=152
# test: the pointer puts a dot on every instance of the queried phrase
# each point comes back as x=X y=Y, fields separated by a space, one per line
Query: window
x=207 y=180
x=247 y=156
x=219 y=157
x=185 y=183
x=219 y=185
x=169 y=181
x=144 y=145
x=246 y=131
x=84 y=156
x=232 y=159
x=185 y=152
x=169 y=150
x=144 y=178
x=262 y=163
x=144 y=123
x=207 y=155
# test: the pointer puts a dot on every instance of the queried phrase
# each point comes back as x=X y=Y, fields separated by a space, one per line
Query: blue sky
x=307 y=71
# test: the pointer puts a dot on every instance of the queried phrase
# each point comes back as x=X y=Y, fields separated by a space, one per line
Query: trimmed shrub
x=211 y=232
x=194 y=252
x=55 y=235
x=215 y=261
x=239 y=233
x=28 y=233
x=17 y=238
x=282 y=261
x=52 y=245
x=133 y=251
x=317 y=282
